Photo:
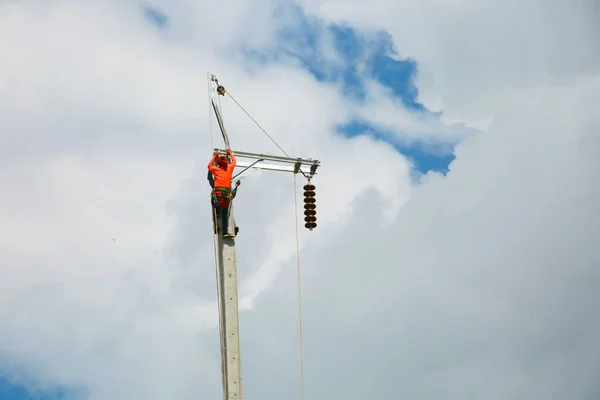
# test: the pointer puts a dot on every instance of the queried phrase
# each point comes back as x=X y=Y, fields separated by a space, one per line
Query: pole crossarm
x=307 y=167
x=269 y=167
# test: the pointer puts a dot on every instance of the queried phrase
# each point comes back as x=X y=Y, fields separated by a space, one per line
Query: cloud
x=473 y=284
x=102 y=128
x=485 y=65
x=484 y=285
x=366 y=67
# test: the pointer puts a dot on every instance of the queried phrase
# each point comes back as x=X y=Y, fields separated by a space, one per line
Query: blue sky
x=298 y=42
x=13 y=391
x=383 y=64
x=155 y=16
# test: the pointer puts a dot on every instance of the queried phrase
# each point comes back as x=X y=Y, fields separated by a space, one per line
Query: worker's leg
x=214 y=219
x=231 y=231
x=232 y=225
x=225 y=219
x=215 y=215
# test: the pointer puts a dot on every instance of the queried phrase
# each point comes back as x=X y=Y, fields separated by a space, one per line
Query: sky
x=456 y=252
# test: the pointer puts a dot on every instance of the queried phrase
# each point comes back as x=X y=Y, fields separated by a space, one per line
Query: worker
x=221 y=184
x=211 y=182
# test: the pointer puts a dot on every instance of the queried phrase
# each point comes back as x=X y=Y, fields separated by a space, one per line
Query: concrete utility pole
x=227 y=279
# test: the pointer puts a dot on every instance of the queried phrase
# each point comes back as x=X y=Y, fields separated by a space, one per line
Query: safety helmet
x=222 y=161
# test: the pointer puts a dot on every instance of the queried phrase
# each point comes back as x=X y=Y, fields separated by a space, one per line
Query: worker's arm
x=211 y=179
x=234 y=191
x=233 y=159
x=211 y=163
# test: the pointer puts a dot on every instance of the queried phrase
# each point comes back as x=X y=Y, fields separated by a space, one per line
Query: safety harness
x=221 y=197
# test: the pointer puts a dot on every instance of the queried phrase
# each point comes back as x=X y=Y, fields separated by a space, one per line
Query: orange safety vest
x=222 y=176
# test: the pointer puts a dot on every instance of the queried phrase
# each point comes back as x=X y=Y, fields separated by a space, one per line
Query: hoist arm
x=215 y=90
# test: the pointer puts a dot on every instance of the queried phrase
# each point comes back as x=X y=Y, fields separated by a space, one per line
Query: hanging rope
x=257 y=124
x=215 y=243
x=299 y=286
x=298 y=265
x=218 y=273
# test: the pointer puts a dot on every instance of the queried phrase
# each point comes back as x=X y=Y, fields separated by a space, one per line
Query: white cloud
x=103 y=120
x=485 y=285
x=387 y=114
x=470 y=62
x=476 y=276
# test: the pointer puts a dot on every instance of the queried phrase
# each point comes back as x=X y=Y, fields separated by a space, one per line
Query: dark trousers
x=223 y=213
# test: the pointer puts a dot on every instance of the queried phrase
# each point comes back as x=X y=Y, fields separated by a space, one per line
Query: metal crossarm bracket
x=307 y=167
x=245 y=168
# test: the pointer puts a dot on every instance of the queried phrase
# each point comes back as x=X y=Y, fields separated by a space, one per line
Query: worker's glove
x=237 y=183
x=216 y=153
